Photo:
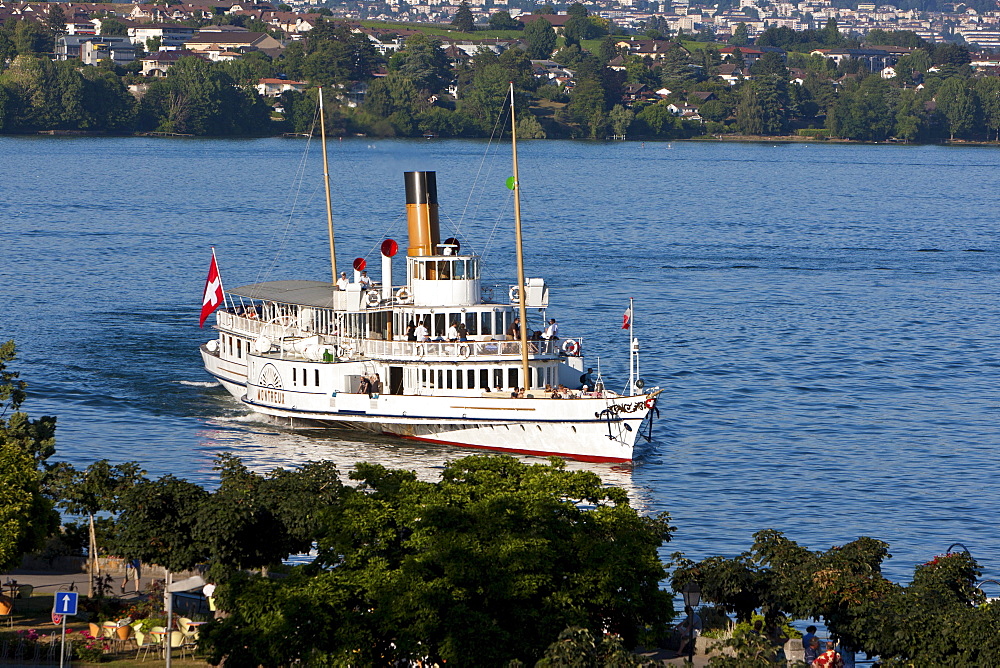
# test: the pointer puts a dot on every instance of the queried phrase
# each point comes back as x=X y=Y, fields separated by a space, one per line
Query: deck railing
x=349 y=347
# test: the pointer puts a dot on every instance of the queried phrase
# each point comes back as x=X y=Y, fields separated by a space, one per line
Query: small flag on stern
x=212 y=298
x=627 y=318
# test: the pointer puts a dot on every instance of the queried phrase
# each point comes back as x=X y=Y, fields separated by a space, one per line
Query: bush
x=814 y=133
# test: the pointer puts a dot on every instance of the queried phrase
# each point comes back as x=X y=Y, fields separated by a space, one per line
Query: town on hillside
x=607 y=69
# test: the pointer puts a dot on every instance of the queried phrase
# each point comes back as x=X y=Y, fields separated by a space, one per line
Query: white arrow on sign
x=67 y=603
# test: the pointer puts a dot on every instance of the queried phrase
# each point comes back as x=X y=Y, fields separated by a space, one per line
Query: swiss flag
x=627 y=318
x=213 y=291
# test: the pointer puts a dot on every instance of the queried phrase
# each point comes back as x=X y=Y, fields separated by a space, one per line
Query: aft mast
x=326 y=183
x=521 y=294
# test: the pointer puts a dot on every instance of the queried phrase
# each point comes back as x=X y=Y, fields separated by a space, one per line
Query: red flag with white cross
x=212 y=298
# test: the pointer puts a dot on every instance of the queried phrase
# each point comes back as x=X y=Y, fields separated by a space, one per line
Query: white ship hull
x=597 y=429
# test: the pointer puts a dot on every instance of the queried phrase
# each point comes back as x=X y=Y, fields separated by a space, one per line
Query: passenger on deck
x=411 y=331
x=514 y=331
x=342 y=282
x=422 y=333
x=551 y=332
x=364 y=281
x=453 y=331
x=463 y=332
x=376 y=387
x=365 y=386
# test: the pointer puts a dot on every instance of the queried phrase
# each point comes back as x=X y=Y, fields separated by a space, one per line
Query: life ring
x=514 y=294
x=571 y=347
x=650 y=402
x=463 y=350
x=373 y=297
x=402 y=294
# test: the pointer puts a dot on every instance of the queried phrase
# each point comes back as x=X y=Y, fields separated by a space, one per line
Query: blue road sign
x=65 y=603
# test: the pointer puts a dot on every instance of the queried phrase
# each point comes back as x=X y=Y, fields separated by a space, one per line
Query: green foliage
x=528 y=127
x=862 y=111
x=540 y=39
x=201 y=98
x=26 y=515
x=502 y=21
x=158 y=521
x=464 y=20
x=577 y=648
x=487 y=565
x=424 y=63
x=814 y=133
x=112 y=27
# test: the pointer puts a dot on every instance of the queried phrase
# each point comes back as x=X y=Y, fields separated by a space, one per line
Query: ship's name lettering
x=615 y=409
x=270 y=396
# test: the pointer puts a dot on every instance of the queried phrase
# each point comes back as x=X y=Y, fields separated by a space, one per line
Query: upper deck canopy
x=303 y=293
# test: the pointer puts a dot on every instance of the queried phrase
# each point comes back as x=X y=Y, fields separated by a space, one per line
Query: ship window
x=487 y=321
x=459 y=379
x=440 y=378
x=444 y=270
x=316 y=377
x=239 y=347
x=484 y=379
x=471 y=324
x=472 y=379
x=473 y=270
x=512 y=378
x=500 y=327
x=423 y=377
x=293 y=375
x=230 y=346
x=448 y=379
x=459 y=269
x=498 y=378
x=440 y=327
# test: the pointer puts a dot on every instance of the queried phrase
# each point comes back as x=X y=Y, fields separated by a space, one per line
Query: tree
x=863 y=111
x=55 y=20
x=502 y=21
x=960 y=106
x=112 y=27
x=487 y=565
x=254 y=521
x=424 y=62
x=26 y=515
x=621 y=119
x=988 y=91
x=587 y=107
x=158 y=523
x=844 y=586
x=741 y=35
x=578 y=10
x=770 y=64
x=464 y=20
x=97 y=488
x=759 y=109
x=540 y=39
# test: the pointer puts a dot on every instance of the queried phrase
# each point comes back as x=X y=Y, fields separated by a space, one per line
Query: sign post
x=64 y=604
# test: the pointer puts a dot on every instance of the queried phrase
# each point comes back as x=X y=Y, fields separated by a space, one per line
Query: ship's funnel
x=422 y=212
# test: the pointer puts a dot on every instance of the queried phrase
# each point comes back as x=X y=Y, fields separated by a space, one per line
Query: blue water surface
x=823 y=318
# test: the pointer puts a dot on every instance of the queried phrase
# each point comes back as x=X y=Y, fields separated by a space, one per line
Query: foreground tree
x=939 y=619
x=464 y=20
x=487 y=565
x=26 y=515
x=97 y=488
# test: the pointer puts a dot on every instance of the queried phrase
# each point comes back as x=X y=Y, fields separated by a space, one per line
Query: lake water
x=823 y=317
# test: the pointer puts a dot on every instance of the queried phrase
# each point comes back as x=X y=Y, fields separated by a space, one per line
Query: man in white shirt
x=342 y=282
x=453 y=331
x=552 y=331
x=421 y=332
x=364 y=280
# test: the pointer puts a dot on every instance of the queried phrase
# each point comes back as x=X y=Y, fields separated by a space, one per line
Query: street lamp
x=692 y=597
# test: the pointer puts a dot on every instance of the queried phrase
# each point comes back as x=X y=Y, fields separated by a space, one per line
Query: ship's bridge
x=444 y=279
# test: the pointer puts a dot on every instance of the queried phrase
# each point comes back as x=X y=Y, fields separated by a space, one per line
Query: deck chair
x=178 y=641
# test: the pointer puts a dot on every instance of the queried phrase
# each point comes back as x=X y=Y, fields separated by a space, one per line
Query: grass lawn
x=35 y=613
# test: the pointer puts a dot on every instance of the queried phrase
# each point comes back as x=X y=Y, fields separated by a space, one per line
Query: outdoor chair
x=25 y=591
x=151 y=640
x=177 y=641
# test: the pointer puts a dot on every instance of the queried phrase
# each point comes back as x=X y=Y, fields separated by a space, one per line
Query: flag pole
x=632 y=366
x=225 y=300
